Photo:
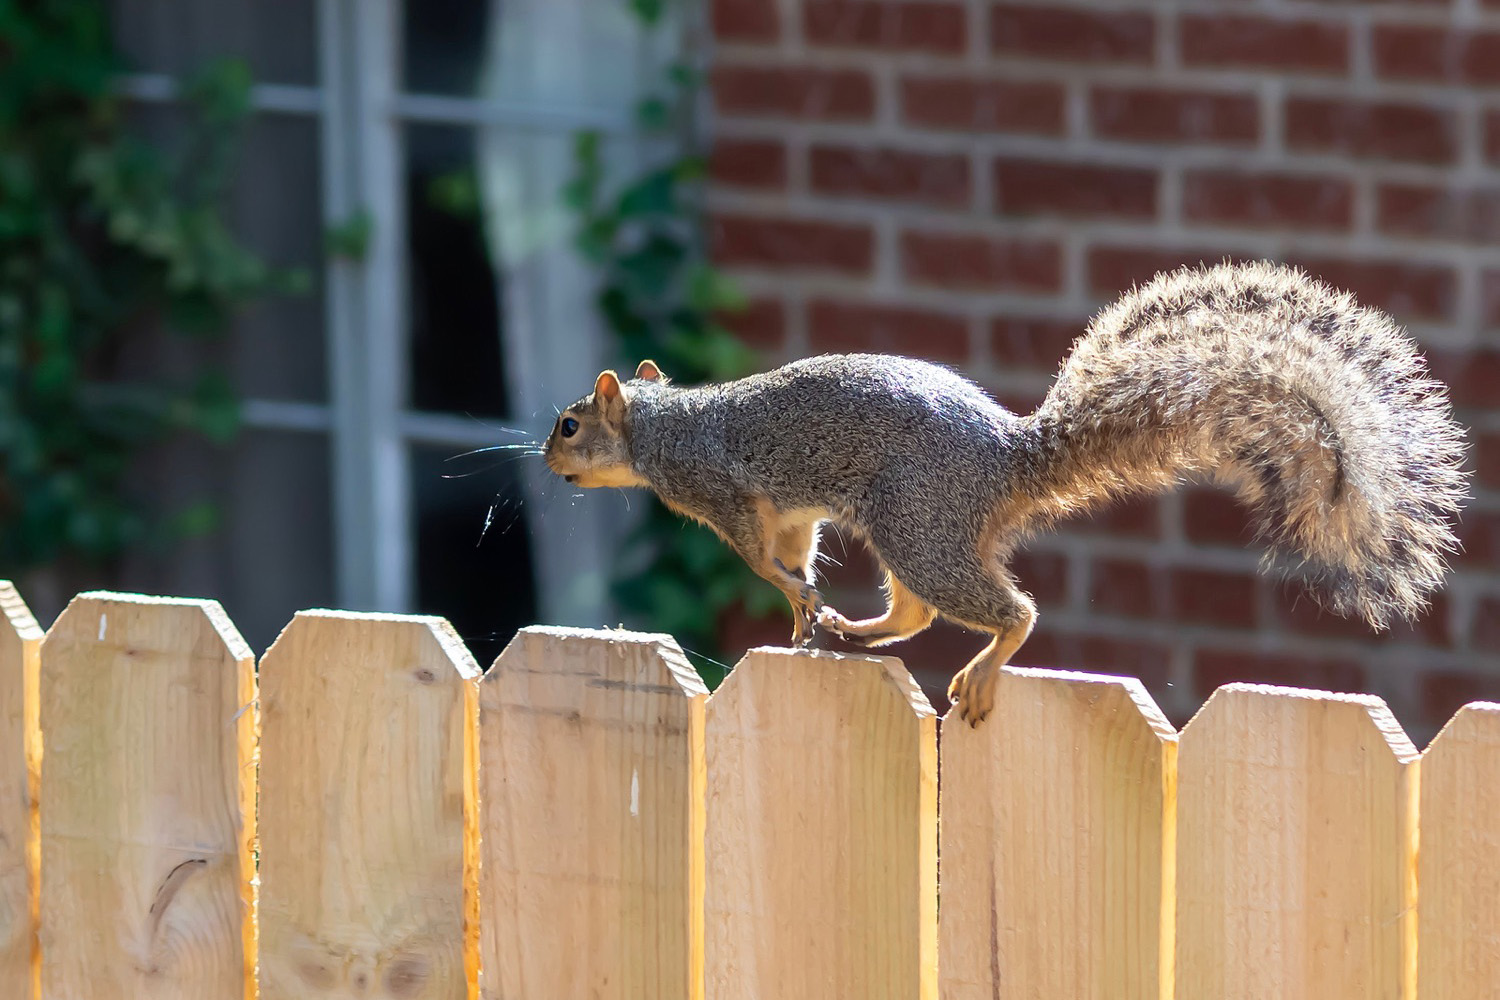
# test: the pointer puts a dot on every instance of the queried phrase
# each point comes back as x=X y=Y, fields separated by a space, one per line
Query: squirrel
x=1317 y=411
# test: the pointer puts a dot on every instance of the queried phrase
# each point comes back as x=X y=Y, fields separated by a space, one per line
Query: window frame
x=361 y=110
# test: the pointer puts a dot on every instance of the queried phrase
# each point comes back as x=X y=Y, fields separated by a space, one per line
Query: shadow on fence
x=583 y=820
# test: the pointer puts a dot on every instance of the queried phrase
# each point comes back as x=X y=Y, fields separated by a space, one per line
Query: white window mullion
x=360 y=50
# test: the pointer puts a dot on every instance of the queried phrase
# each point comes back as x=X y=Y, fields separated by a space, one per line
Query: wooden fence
x=584 y=821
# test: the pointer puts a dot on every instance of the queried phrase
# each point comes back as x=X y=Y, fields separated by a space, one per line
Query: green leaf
x=649 y=11
x=653 y=114
x=350 y=238
x=710 y=290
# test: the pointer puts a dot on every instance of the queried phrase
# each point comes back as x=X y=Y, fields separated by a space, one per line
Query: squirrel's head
x=587 y=446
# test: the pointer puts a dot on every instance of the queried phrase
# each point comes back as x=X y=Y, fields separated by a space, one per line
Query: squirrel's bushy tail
x=1319 y=413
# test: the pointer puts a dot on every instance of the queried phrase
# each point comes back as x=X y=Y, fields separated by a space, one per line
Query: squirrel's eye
x=569 y=427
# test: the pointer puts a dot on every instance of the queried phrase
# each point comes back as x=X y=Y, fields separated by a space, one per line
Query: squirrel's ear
x=607 y=386
x=647 y=370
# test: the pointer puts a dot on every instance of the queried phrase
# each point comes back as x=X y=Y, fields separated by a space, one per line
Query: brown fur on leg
x=972 y=690
x=906 y=614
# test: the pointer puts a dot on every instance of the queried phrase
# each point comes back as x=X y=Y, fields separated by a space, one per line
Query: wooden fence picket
x=20 y=648
x=821 y=831
x=146 y=814
x=367 y=812
x=1057 y=843
x=1296 y=830
x=591 y=784
x=1458 y=870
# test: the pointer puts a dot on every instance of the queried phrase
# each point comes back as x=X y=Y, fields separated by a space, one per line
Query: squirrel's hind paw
x=972 y=691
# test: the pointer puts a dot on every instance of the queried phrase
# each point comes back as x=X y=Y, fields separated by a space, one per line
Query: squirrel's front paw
x=972 y=691
x=832 y=621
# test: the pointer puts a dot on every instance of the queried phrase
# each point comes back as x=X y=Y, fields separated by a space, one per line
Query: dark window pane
x=273 y=347
x=454 y=294
x=277 y=38
x=445 y=42
x=279 y=349
x=477 y=577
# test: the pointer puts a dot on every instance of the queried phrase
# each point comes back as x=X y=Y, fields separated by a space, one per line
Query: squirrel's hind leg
x=906 y=614
x=972 y=689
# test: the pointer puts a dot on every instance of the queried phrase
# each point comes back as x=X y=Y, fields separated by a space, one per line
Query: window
x=447 y=125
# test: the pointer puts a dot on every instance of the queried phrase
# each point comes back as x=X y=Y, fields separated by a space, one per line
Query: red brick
x=1487 y=459
x=1382 y=130
x=1486 y=628
x=748 y=163
x=1040 y=187
x=945 y=260
x=1145 y=114
x=1213 y=668
x=1472 y=377
x=835 y=326
x=937 y=179
x=1492 y=136
x=1032 y=342
x=1212 y=517
x=1439 y=212
x=1433 y=627
x=1212 y=597
x=1299 y=612
x=1115 y=269
x=745 y=21
x=1489 y=294
x=892 y=25
x=1246 y=198
x=1132 y=517
x=1228 y=40
x=802 y=92
x=1043 y=575
x=1444 y=692
x=972 y=104
x=1405 y=290
x=761 y=324
x=1440 y=55
x=1048 y=32
x=1098 y=654
x=1126 y=588
x=1479 y=532
x=792 y=243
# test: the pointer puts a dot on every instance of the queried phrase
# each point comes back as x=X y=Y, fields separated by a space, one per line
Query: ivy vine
x=104 y=235
x=663 y=300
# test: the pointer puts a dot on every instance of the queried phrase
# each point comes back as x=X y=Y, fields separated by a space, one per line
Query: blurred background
x=269 y=270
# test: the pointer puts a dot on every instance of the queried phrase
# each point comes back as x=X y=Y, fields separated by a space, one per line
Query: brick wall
x=968 y=181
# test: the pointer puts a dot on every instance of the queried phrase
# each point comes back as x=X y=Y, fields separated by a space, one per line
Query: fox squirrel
x=1317 y=411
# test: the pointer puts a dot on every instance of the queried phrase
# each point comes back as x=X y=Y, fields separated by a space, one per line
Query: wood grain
x=145 y=833
x=821 y=831
x=1458 y=871
x=20 y=763
x=1057 y=843
x=1296 y=839
x=591 y=779
x=367 y=809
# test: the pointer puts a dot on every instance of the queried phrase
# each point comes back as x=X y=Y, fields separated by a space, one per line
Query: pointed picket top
x=591 y=784
x=147 y=801
x=821 y=830
x=1458 y=868
x=1296 y=839
x=368 y=832
x=20 y=761
x=1057 y=841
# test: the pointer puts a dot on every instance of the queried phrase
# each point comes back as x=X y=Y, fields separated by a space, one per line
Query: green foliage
x=102 y=236
x=662 y=300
